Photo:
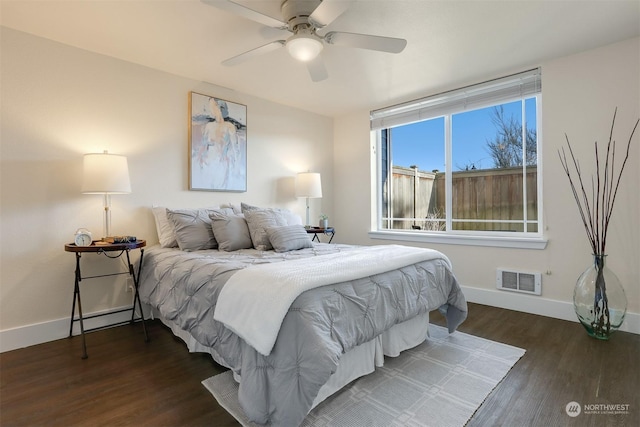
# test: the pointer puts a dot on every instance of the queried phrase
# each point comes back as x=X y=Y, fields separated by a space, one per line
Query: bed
x=295 y=325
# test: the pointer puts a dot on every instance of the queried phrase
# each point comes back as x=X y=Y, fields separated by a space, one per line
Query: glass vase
x=599 y=299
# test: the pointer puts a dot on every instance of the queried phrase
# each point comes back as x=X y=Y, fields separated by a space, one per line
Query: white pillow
x=291 y=218
x=165 y=229
x=236 y=208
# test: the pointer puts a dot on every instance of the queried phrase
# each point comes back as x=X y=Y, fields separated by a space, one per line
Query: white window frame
x=499 y=91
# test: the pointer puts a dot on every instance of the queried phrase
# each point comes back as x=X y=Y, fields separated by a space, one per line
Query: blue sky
x=422 y=143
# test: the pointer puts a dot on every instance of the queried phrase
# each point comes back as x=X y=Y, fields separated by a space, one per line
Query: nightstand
x=112 y=250
x=330 y=231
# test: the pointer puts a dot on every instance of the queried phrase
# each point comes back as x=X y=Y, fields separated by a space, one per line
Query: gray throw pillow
x=290 y=217
x=193 y=228
x=230 y=231
x=258 y=221
x=244 y=207
x=288 y=238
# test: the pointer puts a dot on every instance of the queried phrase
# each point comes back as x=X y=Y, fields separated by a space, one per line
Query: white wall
x=580 y=93
x=59 y=102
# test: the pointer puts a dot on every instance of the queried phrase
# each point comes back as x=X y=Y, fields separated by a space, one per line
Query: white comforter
x=255 y=300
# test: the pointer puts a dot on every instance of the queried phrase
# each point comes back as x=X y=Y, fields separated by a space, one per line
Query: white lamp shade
x=104 y=173
x=308 y=184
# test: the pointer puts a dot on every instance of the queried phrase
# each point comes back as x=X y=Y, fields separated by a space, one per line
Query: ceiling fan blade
x=365 y=41
x=270 y=47
x=245 y=12
x=327 y=12
x=317 y=70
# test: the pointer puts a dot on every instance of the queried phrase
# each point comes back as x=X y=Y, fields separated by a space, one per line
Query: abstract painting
x=217 y=144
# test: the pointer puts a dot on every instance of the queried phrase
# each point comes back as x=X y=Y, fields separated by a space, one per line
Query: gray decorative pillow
x=193 y=228
x=244 y=207
x=289 y=238
x=231 y=231
x=290 y=217
x=258 y=221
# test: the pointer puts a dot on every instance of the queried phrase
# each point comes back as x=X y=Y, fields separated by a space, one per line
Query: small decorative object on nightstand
x=83 y=237
x=101 y=247
x=324 y=221
x=329 y=231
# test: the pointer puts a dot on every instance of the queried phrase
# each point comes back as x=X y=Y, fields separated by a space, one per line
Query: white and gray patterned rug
x=442 y=382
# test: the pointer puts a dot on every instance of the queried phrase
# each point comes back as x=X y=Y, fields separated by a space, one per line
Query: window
x=463 y=164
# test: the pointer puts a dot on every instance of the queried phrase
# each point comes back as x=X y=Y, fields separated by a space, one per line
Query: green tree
x=506 y=148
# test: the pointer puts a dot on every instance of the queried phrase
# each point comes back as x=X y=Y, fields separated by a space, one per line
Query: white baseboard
x=537 y=305
x=25 y=336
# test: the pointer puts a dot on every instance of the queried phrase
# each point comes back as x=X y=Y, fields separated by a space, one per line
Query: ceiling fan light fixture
x=304 y=46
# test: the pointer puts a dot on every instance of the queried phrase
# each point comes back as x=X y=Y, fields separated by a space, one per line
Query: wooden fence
x=489 y=196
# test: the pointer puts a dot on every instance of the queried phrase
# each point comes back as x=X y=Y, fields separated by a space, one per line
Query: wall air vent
x=519 y=281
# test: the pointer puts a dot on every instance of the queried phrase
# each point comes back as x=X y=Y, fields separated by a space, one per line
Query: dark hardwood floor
x=126 y=381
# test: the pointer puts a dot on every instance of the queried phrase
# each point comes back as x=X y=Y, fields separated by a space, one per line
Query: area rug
x=441 y=382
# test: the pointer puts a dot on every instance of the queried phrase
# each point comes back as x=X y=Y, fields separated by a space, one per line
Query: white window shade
x=516 y=86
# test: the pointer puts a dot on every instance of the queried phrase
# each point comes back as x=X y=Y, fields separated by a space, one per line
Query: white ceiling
x=450 y=43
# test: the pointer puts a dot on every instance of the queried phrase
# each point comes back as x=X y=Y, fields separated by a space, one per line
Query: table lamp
x=107 y=174
x=309 y=185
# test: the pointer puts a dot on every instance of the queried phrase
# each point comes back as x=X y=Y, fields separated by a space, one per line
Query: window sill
x=459 y=239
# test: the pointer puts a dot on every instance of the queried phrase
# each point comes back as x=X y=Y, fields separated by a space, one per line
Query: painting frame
x=217 y=144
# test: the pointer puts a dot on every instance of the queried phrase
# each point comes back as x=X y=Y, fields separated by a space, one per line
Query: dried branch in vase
x=596 y=209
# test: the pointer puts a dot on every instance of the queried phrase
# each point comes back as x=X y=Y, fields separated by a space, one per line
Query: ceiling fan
x=304 y=18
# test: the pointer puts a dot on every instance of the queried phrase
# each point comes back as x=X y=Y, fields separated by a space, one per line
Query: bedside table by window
x=112 y=250
x=330 y=231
